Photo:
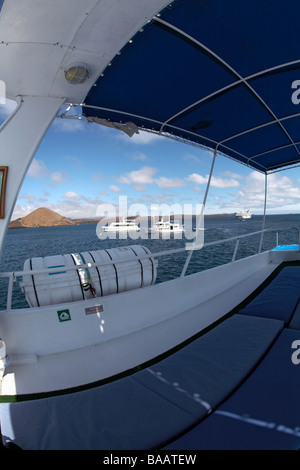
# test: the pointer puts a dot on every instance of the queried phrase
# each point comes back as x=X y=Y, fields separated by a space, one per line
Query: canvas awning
x=221 y=74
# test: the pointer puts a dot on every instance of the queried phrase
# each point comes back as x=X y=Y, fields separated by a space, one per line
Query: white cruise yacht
x=122 y=225
x=244 y=214
x=166 y=226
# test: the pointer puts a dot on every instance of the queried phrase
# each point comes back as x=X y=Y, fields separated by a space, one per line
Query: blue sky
x=79 y=167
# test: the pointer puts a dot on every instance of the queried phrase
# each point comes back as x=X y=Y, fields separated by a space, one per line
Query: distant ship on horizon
x=243 y=214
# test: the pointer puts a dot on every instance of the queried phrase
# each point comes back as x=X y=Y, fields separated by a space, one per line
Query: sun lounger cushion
x=144 y=410
x=279 y=299
x=205 y=372
x=295 y=321
x=264 y=413
x=117 y=416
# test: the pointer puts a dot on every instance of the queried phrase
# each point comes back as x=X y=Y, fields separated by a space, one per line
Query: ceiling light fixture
x=76 y=73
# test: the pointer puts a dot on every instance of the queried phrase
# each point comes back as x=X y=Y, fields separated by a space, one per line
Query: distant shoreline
x=137 y=218
x=95 y=221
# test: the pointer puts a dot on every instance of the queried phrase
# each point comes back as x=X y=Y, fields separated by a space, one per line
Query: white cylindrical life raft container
x=60 y=285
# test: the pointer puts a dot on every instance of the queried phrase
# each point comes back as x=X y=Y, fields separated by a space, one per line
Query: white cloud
x=224 y=183
x=155 y=199
x=164 y=182
x=139 y=156
x=144 y=176
x=97 y=176
x=21 y=210
x=215 y=182
x=283 y=194
x=191 y=158
x=282 y=191
x=198 y=189
x=197 y=179
x=58 y=177
x=37 y=169
x=68 y=125
x=72 y=159
x=230 y=174
x=30 y=198
x=115 y=189
x=139 y=178
x=140 y=138
x=72 y=195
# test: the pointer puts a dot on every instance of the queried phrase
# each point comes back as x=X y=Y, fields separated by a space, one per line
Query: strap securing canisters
x=84 y=274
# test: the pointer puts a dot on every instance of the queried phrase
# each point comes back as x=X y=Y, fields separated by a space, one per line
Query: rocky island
x=41 y=217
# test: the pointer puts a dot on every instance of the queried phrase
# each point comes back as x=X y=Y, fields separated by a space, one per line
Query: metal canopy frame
x=170 y=126
x=214 y=144
x=241 y=80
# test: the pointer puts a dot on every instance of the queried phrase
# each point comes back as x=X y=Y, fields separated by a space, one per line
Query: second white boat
x=165 y=226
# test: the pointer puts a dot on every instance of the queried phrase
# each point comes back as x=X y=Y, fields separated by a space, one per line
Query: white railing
x=12 y=276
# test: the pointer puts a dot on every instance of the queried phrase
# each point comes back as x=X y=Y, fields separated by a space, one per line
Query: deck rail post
x=11 y=280
x=235 y=249
x=264 y=218
x=190 y=252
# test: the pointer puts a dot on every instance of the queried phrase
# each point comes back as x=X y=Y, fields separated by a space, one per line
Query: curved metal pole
x=188 y=259
x=264 y=218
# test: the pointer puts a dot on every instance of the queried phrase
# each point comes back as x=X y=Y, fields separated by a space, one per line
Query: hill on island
x=41 y=217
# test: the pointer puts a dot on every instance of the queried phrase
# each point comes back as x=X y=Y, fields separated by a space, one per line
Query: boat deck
x=98 y=361
x=264 y=411
x=233 y=387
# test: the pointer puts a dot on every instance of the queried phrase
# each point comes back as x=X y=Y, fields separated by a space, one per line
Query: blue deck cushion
x=146 y=409
x=204 y=373
x=121 y=415
x=225 y=432
x=264 y=413
x=286 y=247
x=295 y=321
x=279 y=299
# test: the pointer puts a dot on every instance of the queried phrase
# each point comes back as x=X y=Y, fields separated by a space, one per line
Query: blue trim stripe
x=286 y=247
x=58 y=266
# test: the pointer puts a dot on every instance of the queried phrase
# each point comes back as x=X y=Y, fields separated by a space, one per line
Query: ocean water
x=21 y=244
